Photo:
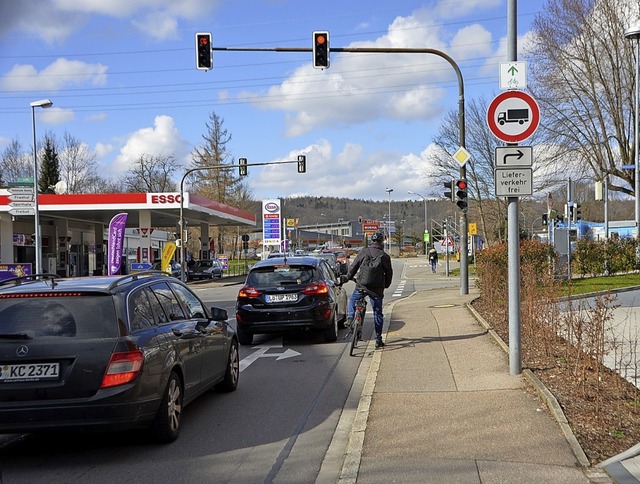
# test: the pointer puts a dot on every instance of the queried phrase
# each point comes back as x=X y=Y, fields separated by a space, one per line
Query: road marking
x=400 y=289
x=261 y=352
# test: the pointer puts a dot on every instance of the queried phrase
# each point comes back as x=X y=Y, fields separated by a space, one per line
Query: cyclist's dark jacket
x=376 y=249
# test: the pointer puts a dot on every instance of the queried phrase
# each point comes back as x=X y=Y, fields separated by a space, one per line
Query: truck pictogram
x=519 y=116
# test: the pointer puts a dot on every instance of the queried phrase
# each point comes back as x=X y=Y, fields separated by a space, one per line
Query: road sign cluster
x=21 y=201
x=512 y=117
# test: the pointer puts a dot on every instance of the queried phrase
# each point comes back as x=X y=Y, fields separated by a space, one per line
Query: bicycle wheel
x=356 y=328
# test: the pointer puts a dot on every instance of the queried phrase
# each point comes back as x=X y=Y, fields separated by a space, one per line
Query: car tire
x=331 y=331
x=166 y=426
x=245 y=338
x=232 y=373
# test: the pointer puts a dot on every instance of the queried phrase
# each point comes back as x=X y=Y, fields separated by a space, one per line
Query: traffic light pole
x=181 y=221
x=464 y=254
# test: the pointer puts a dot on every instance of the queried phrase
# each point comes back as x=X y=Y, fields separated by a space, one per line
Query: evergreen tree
x=50 y=167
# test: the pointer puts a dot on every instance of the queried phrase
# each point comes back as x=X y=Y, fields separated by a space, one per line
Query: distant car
x=343 y=258
x=205 y=269
x=292 y=294
x=274 y=255
x=108 y=353
x=174 y=268
x=331 y=258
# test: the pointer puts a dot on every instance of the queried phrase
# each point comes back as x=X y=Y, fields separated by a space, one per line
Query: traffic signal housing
x=461 y=195
x=545 y=219
x=204 y=54
x=321 y=49
x=302 y=164
x=577 y=213
x=242 y=167
x=449 y=190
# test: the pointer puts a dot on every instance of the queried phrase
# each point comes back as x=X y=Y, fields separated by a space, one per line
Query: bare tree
x=582 y=75
x=151 y=174
x=78 y=166
x=15 y=163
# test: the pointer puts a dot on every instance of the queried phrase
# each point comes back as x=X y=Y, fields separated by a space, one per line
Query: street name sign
x=21 y=204
x=21 y=197
x=513 y=182
x=21 y=190
x=514 y=156
x=513 y=116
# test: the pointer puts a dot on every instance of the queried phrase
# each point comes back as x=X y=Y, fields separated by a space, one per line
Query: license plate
x=282 y=298
x=29 y=372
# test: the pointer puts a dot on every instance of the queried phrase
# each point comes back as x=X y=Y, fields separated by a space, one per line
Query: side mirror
x=219 y=314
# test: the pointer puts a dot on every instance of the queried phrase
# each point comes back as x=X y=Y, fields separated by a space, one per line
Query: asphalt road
x=277 y=427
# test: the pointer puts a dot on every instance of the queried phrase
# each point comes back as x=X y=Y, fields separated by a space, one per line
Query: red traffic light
x=204 y=56
x=321 y=49
x=461 y=184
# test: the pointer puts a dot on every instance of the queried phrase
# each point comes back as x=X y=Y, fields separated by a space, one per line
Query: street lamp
x=389 y=190
x=426 y=228
x=43 y=103
x=633 y=33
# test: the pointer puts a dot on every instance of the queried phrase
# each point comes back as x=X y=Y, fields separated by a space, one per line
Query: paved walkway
x=439 y=405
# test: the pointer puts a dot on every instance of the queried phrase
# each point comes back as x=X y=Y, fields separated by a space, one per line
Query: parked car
x=343 y=258
x=292 y=294
x=205 y=269
x=175 y=269
x=108 y=353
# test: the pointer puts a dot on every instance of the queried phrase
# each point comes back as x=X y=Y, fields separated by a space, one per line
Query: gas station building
x=74 y=227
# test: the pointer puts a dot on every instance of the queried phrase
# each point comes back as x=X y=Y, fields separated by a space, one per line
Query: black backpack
x=371 y=270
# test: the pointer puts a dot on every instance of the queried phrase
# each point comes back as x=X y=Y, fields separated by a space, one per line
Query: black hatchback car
x=290 y=294
x=113 y=352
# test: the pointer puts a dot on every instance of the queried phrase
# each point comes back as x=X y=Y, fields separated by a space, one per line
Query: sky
x=122 y=78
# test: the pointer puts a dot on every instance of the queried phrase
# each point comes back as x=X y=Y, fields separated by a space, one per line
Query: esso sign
x=165 y=198
x=271 y=207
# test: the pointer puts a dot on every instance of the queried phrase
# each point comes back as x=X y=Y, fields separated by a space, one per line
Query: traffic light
x=461 y=195
x=449 y=194
x=321 y=49
x=242 y=167
x=545 y=219
x=204 y=55
x=577 y=214
x=302 y=164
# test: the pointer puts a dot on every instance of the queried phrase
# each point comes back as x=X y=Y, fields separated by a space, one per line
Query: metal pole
x=636 y=148
x=38 y=241
x=515 y=362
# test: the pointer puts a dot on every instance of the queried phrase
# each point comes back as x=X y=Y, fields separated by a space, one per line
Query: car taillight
x=123 y=368
x=248 y=291
x=316 y=288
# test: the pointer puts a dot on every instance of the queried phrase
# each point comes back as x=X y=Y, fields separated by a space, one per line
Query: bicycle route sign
x=513 y=116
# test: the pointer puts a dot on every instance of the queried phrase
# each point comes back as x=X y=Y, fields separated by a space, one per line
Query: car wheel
x=245 y=338
x=166 y=427
x=232 y=373
x=331 y=331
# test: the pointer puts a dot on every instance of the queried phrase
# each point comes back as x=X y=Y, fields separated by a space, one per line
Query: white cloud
x=55 y=20
x=163 y=139
x=360 y=88
x=103 y=149
x=56 y=116
x=62 y=72
x=96 y=118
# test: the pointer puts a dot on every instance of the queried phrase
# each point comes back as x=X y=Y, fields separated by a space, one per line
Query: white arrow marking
x=261 y=351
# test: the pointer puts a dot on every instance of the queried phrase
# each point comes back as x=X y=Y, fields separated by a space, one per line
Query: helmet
x=377 y=237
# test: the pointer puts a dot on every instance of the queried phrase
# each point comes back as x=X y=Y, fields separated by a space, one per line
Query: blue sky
x=122 y=76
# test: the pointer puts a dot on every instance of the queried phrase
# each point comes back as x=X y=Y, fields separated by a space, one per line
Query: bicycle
x=356 y=326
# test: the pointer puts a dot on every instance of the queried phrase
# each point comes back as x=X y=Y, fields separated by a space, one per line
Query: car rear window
x=280 y=275
x=68 y=316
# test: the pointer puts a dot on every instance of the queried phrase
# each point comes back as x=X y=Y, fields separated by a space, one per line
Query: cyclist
x=374 y=290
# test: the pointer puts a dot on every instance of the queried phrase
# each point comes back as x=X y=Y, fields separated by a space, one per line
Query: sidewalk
x=439 y=405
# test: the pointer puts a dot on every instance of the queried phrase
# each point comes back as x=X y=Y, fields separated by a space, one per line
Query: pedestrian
x=372 y=272
x=433 y=259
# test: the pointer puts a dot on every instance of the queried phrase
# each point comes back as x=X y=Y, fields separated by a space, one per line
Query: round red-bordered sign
x=513 y=116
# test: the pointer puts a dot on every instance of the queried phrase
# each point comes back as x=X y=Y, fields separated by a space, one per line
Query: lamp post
x=633 y=33
x=43 y=103
x=389 y=190
x=426 y=229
